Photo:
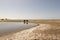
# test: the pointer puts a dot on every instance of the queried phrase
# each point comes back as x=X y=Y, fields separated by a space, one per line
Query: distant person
x=24 y=21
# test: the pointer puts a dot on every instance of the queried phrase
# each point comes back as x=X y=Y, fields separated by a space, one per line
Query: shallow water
x=7 y=27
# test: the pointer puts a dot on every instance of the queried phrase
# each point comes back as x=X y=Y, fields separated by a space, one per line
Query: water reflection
x=6 y=27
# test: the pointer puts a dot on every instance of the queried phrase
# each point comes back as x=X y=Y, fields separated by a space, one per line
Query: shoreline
x=19 y=30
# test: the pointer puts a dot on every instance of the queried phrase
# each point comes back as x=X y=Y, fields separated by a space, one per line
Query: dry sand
x=41 y=32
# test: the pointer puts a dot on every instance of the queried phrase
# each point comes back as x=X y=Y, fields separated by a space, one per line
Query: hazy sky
x=30 y=9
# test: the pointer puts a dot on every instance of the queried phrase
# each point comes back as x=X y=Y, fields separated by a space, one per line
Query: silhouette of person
x=24 y=21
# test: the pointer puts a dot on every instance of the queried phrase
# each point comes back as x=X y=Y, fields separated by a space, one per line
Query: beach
x=44 y=31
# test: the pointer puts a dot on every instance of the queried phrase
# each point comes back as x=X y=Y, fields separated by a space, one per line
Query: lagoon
x=8 y=27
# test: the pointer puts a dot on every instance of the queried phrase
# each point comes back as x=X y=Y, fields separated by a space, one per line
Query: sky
x=30 y=9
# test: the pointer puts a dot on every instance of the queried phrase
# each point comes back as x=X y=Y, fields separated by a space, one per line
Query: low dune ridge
x=41 y=32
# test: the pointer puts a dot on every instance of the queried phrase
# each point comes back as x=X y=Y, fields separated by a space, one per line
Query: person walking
x=24 y=21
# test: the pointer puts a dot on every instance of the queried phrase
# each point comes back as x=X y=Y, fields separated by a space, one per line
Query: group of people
x=25 y=21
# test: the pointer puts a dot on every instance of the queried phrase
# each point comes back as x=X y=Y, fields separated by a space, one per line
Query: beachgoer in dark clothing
x=24 y=21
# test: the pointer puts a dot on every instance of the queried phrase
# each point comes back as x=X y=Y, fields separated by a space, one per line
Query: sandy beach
x=49 y=30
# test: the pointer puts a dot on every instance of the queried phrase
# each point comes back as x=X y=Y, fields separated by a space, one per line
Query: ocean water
x=7 y=27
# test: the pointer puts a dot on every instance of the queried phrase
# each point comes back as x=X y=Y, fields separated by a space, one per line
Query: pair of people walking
x=25 y=21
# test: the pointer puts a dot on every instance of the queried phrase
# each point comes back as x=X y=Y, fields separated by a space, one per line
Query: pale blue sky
x=30 y=9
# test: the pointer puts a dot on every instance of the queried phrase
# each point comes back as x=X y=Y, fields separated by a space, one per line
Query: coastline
x=38 y=32
x=43 y=30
